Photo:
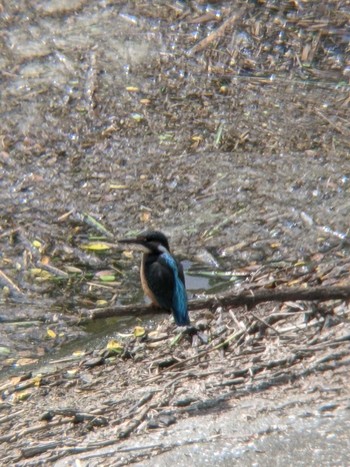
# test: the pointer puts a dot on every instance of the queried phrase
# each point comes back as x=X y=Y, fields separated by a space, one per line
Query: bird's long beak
x=135 y=243
x=129 y=240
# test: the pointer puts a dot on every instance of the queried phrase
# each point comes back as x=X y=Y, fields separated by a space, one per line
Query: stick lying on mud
x=13 y=289
x=249 y=299
x=228 y=300
x=218 y=33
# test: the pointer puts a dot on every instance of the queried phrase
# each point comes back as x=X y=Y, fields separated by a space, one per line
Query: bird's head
x=151 y=241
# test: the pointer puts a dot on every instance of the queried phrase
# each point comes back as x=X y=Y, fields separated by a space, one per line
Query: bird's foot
x=193 y=332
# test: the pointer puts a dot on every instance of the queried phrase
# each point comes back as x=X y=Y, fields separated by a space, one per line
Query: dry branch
x=249 y=299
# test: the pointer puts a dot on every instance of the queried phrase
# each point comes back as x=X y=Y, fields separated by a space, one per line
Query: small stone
x=328 y=407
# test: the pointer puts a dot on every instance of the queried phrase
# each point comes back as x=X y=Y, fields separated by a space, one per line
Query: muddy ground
x=227 y=126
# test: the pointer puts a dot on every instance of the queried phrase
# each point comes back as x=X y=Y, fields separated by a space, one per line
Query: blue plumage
x=162 y=275
x=179 y=295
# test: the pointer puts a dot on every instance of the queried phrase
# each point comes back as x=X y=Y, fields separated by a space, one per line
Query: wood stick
x=247 y=298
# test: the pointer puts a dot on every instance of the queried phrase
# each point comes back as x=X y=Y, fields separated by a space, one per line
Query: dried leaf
x=22 y=396
x=41 y=274
x=139 y=331
x=101 y=302
x=26 y=361
x=73 y=269
x=51 y=334
x=36 y=380
x=145 y=216
x=197 y=138
x=132 y=89
x=114 y=346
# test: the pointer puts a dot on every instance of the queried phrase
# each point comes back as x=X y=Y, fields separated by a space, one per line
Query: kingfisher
x=162 y=275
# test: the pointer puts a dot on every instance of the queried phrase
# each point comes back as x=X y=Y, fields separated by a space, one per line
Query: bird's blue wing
x=181 y=271
x=179 y=295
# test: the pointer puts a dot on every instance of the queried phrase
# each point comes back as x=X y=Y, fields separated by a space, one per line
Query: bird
x=162 y=275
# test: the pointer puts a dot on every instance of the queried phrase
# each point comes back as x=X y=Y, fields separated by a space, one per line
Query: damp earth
x=225 y=125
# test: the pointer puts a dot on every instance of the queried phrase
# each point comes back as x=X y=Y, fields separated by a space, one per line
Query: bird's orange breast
x=145 y=287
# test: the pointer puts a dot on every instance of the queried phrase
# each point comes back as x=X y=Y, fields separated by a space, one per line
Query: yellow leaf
x=41 y=274
x=114 y=346
x=37 y=380
x=22 y=396
x=139 y=331
x=132 y=89
x=51 y=333
x=197 y=138
x=101 y=302
x=37 y=244
x=96 y=246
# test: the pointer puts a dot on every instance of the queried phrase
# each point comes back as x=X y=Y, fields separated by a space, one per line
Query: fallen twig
x=219 y=32
x=247 y=298
x=5 y=281
x=132 y=424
